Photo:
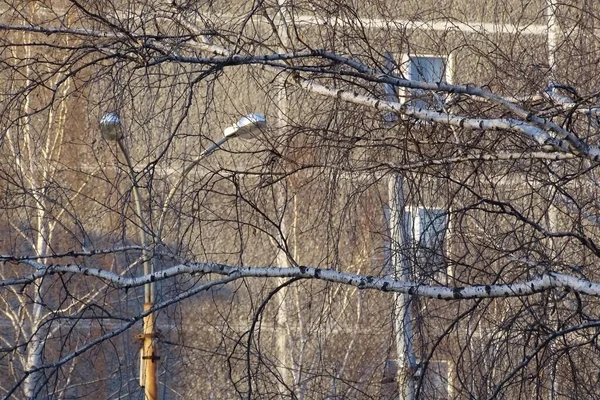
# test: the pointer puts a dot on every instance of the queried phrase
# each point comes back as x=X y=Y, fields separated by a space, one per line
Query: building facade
x=484 y=111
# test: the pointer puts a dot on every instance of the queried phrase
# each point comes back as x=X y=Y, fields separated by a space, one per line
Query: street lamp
x=111 y=129
x=110 y=126
x=248 y=126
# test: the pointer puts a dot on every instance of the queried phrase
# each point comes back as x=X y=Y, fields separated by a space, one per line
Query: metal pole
x=407 y=364
x=149 y=349
x=150 y=355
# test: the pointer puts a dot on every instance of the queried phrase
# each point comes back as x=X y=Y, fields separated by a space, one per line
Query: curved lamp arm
x=247 y=126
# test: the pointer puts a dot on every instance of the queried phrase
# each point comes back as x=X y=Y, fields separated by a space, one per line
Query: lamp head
x=247 y=126
x=111 y=127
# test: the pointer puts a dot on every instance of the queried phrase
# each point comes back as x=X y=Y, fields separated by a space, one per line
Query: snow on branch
x=539 y=284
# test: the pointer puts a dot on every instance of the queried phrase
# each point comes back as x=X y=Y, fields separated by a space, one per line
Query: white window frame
x=404 y=94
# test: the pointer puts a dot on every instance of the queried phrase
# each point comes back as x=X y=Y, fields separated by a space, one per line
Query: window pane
x=409 y=225
x=432 y=225
x=427 y=69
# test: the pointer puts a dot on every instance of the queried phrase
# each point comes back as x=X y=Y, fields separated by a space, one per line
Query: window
x=432 y=69
x=426 y=228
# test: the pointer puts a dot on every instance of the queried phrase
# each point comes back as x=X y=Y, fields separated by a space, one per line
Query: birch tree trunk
x=402 y=301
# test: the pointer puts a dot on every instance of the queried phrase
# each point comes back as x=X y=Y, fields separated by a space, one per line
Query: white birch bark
x=402 y=301
x=538 y=284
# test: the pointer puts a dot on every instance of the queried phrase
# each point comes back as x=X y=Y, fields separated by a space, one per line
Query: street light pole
x=111 y=129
